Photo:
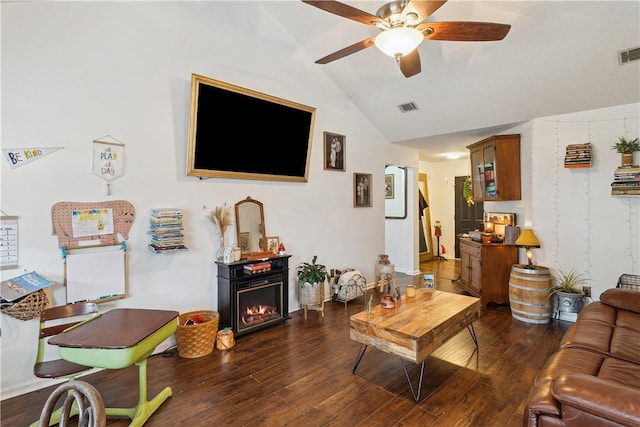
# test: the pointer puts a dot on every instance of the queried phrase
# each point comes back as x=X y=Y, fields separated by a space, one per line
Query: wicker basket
x=629 y=281
x=28 y=307
x=197 y=340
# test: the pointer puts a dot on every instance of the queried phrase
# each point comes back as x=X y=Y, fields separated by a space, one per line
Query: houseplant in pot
x=626 y=147
x=567 y=292
x=311 y=278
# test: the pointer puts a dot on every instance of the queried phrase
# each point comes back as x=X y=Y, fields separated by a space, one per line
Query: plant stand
x=312 y=298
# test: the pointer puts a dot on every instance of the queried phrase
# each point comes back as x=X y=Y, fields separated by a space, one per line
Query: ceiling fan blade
x=410 y=64
x=356 y=47
x=423 y=9
x=345 y=11
x=464 y=31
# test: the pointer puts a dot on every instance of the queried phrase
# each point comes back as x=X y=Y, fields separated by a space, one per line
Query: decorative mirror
x=395 y=193
x=250 y=226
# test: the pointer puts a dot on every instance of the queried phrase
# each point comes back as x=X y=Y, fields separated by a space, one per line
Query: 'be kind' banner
x=17 y=157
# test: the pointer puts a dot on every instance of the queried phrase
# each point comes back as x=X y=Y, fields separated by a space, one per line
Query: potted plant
x=626 y=147
x=311 y=278
x=567 y=292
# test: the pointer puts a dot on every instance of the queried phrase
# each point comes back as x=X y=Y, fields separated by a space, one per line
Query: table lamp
x=528 y=240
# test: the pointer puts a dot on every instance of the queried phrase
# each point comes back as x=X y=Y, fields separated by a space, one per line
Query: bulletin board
x=92 y=238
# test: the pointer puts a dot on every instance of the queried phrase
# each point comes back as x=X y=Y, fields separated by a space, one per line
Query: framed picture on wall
x=388 y=186
x=334 y=151
x=362 y=190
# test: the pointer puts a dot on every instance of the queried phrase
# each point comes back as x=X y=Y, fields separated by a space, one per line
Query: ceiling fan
x=403 y=29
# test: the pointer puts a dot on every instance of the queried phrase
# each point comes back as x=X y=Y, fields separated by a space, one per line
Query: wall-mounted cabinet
x=495 y=168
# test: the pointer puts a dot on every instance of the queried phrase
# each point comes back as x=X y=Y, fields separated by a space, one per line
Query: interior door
x=424 y=217
x=468 y=217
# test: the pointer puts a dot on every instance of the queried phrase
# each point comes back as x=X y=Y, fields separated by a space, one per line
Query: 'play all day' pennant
x=21 y=156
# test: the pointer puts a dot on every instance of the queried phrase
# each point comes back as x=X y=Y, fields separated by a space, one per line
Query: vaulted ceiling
x=559 y=57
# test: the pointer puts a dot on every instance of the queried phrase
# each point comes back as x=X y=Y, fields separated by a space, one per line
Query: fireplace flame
x=259 y=314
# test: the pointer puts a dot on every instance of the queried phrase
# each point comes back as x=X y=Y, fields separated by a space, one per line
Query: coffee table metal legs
x=416 y=394
x=473 y=334
x=359 y=355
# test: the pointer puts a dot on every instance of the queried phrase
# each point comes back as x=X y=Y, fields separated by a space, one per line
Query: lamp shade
x=527 y=238
x=398 y=42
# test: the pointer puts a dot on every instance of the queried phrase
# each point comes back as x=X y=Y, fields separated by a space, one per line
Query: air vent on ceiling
x=405 y=108
x=628 y=55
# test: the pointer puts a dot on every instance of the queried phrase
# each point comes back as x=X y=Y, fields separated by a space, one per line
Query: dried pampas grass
x=221 y=217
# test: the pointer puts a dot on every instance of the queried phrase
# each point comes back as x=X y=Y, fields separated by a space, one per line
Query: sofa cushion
x=621 y=372
x=607 y=330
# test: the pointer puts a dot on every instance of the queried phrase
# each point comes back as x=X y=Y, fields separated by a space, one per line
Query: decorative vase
x=627 y=159
x=220 y=251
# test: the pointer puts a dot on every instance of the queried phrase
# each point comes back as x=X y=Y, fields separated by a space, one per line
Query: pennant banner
x=21 y=156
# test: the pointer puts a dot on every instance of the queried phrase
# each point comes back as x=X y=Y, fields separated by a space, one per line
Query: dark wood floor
x=299 y=373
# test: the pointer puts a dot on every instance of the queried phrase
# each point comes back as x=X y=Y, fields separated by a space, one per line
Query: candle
x=410 y=291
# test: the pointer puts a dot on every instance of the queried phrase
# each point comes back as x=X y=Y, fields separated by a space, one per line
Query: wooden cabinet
x=495 y=168
x=485 y=269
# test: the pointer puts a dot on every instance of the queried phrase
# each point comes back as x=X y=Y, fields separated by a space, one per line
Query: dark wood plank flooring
x=299 y=373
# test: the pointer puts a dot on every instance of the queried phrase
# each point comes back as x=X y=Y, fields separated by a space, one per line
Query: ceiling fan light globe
x=398 y=42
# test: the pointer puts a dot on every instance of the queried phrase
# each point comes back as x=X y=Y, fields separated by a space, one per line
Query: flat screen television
x=239 y=133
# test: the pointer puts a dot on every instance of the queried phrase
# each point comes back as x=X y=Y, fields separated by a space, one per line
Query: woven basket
x=197 y=340
x=28 y=307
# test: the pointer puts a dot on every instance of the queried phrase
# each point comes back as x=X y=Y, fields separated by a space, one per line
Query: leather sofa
x=593 y=379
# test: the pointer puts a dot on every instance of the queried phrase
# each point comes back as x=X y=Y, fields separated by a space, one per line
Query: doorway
x=424 y=219
x=467 y=217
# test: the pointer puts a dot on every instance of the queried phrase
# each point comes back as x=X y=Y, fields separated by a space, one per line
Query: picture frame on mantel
x=362 y=190
x=334 y=151
x=273 y=244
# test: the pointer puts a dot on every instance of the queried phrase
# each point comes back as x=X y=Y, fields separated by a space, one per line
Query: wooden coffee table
x=415 y=327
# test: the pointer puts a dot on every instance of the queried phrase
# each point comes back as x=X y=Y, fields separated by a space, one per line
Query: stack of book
x=257 y=267
x=626 y=181
x=578 y=156
x=166 y=230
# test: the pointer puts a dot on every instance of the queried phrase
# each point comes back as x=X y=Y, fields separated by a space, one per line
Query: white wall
x=76 y=71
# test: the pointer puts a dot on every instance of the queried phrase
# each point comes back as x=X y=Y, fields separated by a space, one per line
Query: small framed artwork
x=362 y=190
x=245 y=242
x=502 y=218
x=334 y=151
x=388 y=186
x=273 y=243
x=429 y=280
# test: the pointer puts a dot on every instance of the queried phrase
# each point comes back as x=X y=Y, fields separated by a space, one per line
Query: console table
x=239 y=291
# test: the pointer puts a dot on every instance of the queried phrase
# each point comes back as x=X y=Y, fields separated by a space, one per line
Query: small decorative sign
x=108 y=160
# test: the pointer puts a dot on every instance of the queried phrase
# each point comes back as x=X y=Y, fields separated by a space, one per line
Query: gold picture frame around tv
x=239 y=133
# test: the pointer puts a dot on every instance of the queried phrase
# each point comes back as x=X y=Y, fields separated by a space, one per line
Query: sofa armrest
x=626 y=299
x=600 y=398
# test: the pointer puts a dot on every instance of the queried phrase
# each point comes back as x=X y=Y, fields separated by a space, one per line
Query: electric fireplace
x=249 y=300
